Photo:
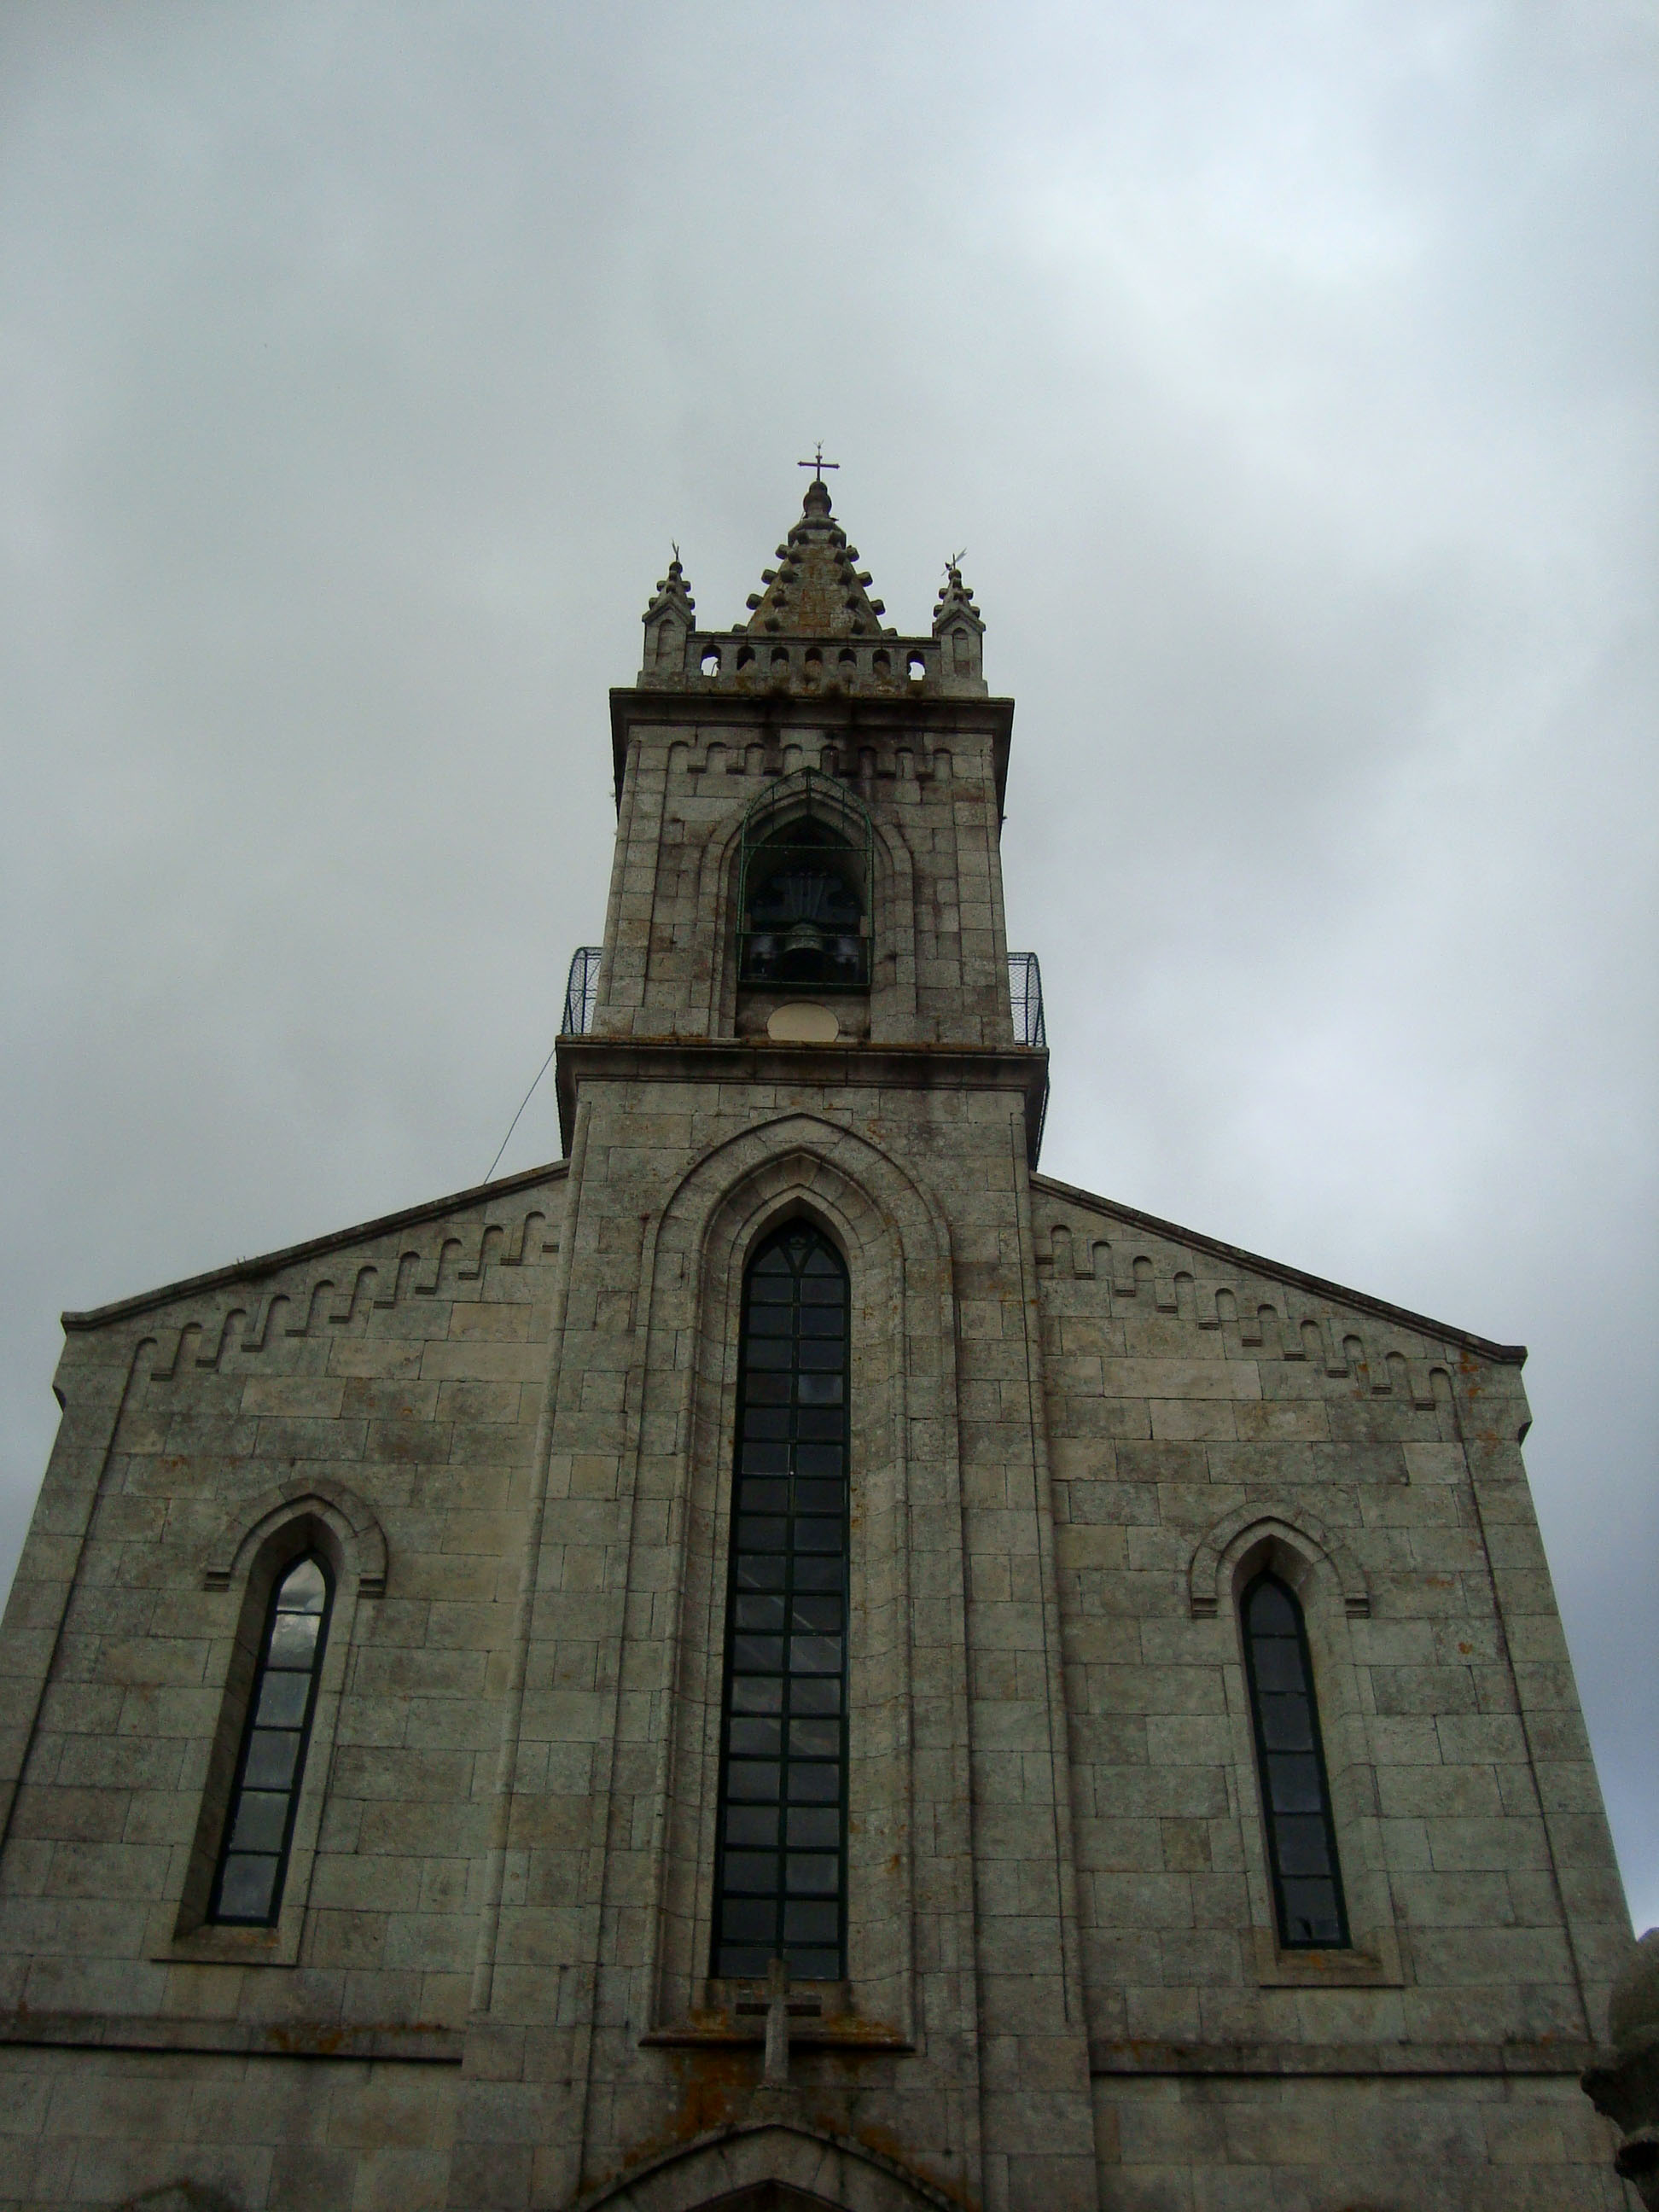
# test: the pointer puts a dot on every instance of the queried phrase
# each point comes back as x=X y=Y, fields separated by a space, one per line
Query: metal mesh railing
x=581 y=992
x=1026 y=995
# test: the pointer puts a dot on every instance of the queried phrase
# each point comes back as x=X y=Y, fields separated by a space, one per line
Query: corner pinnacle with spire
x=956 y=602
x=672 y=596
x=669 y=621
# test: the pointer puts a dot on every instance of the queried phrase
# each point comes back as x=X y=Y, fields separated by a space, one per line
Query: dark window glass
x=248 y=1886
x=1295 y=1795
x=780 y=1887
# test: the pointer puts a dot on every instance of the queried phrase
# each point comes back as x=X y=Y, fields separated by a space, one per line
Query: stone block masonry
x=1143 y=1913
x=384 y=1388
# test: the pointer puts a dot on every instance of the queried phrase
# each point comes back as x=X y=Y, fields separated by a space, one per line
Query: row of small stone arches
x=328 y=1304
x=718 y=658
x=1336 y=1348
x=863 y=762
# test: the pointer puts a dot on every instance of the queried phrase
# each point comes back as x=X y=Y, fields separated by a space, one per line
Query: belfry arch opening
x=805 y=872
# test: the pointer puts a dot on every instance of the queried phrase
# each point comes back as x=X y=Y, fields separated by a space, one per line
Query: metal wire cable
x=522 y=1103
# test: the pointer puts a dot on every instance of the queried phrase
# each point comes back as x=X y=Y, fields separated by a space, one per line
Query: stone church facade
x=788 y=1655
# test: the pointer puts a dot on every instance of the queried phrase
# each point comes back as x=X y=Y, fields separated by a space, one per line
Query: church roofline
x=270 y=1263
x=1510 y=1355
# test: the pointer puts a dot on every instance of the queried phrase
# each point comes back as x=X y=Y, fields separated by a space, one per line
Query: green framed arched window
x=781 y=1877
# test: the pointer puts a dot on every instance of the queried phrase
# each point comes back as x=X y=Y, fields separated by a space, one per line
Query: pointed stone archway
x=769 y=2166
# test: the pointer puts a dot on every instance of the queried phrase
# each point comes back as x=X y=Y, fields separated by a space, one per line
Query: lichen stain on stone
x=313 y=2039
x=887 y=2146
x=712 y=2089
x=306 y=2042
x=715 y=2089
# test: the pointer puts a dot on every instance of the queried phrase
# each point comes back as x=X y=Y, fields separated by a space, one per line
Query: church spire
x=958 y=626
x=818 y=588
x=956 y=602
x=673 y=595
x=669 y=621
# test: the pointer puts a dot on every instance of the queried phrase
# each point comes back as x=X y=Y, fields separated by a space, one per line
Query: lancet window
x=1291 y=1758
x=781 y=1881
x=259 y=1834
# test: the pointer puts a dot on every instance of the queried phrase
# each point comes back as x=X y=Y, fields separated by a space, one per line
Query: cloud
x=1288 y=373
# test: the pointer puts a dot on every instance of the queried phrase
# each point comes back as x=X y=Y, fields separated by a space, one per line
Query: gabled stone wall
x=384 y=1391
x=1209 y=1415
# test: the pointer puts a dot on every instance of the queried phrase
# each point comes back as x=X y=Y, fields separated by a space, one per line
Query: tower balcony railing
x=1025 y=1000
x=1025 y=996
x=581 y=992
x=581 y=995
x=581 y=998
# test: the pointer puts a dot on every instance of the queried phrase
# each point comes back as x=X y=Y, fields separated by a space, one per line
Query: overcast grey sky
x=1288 y=373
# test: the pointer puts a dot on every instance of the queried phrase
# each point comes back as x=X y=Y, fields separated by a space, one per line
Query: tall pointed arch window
x=1295 y=1795
x=259 y=1834
x=781 y=1875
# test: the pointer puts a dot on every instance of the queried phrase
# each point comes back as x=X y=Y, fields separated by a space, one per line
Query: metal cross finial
x=817 y=464
x=956 y=559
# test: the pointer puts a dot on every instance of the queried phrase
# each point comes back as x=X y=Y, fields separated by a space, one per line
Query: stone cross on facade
x=780 y=2009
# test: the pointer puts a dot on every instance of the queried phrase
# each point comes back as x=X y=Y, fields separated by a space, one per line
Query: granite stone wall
x=376 y=1397
x=932 y=796
x=505 y=1420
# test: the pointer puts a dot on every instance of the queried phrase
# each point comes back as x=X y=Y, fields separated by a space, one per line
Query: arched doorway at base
x=770 y=2166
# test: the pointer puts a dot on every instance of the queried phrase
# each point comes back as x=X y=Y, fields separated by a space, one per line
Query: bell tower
x=809 y=808
x=801 y=1090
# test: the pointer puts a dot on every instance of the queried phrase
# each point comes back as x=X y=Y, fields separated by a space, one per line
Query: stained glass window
x=247 y=1887
x=1295 y=1793
x=781 y=1878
